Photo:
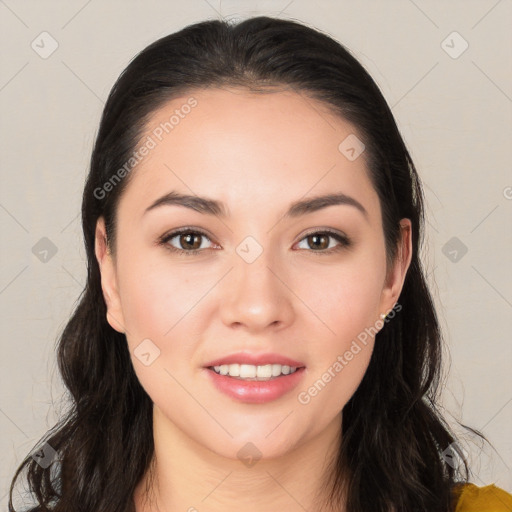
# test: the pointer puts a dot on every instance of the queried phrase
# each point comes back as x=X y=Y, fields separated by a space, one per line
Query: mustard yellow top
x=483 y=499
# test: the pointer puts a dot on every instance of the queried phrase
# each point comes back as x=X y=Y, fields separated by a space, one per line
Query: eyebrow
x=216 y=208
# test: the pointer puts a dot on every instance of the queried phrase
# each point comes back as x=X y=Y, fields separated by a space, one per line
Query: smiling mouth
x=254 y=372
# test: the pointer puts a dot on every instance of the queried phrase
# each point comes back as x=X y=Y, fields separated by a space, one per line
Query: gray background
x=453 y=108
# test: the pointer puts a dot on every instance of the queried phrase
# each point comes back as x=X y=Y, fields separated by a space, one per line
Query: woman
x=215 y=362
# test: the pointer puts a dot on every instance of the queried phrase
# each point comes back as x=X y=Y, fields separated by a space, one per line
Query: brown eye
x=188 y=241
x=319 y=242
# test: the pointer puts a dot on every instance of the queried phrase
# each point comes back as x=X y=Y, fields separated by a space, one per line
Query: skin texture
x=257 y=153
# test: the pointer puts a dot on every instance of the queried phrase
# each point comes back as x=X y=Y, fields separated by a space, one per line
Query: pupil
x=316 y=237
x=188 y=238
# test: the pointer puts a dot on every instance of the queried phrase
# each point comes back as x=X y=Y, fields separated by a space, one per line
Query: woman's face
x=267 y=285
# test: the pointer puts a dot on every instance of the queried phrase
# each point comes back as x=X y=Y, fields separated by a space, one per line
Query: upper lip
x=254 y=359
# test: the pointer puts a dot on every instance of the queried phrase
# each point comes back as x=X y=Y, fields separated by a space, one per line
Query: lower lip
x=254 y=391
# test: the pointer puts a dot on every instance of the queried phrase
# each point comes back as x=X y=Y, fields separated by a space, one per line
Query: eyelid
x=330 y=231
x=164 y=239
x=342 y=239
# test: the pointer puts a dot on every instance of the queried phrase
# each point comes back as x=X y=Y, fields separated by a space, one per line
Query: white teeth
x=252 y=372
x=247 y=371
x=264 y=371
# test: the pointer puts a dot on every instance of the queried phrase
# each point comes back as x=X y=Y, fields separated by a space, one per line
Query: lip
x=254 y=391
x=255 y=359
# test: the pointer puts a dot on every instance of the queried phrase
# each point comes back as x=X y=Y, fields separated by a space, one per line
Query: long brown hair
x=394 y=440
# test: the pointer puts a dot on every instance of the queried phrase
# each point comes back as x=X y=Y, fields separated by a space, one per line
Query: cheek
x=341 y=357
x=159 y=304
x=157 y=298
x=349 y=309
x=346 y=299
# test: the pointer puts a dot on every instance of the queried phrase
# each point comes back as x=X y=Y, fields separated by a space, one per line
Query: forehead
x=252 y=151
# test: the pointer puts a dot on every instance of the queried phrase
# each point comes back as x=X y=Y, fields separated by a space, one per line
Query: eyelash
x=164 y=241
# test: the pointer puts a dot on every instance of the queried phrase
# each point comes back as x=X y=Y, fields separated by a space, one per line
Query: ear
x=396 y=275
x=108 y=278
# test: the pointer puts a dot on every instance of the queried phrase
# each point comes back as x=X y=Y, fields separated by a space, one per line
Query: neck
x=186 y=476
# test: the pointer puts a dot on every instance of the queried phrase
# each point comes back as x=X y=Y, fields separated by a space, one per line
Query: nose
x=255 y=295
